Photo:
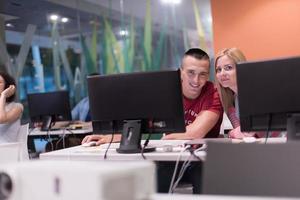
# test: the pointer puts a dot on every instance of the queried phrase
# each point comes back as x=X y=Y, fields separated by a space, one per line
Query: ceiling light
x=64 y=20
x=9 y=25
x=54 y=17
x=123 y=32
x=171 y=1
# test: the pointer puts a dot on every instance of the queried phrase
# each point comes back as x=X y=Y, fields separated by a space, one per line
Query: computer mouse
x=249 y=139
x=89 y=144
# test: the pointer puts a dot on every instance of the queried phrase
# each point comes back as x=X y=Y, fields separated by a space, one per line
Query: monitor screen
x=49 y=107
x=267 y=93
x=150 y=101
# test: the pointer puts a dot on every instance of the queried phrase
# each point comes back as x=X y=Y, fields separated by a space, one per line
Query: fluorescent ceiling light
x=171 y=1
x=9 y=25
x=54 y=17
x=123 y=32
x=64 y=20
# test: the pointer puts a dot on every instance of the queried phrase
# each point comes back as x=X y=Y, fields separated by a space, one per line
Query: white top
x=9 y=131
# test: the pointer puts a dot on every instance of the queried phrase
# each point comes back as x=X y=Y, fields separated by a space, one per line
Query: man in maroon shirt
x=202 y=106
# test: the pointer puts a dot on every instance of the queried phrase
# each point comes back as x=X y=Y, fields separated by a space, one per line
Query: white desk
x=97 y=153
x=38 y=132
x=212 y=197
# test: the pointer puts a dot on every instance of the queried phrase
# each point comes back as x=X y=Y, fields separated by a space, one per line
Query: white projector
x=66 y=180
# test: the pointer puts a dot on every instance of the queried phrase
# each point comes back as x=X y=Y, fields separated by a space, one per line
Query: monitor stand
x=293 y=127
x=131 y=138
x=46 y=123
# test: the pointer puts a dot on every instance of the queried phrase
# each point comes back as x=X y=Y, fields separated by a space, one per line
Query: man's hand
x=101 y=139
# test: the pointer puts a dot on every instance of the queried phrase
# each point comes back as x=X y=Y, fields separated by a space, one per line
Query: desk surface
x=38 y=132
x=211 y=197
x=97 y=153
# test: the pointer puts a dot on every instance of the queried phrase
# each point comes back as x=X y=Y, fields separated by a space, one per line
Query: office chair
x=252 y=169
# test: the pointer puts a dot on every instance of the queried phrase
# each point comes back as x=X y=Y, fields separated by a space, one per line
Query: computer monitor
x=268 y=95
x=135 y=103
x=49 y=107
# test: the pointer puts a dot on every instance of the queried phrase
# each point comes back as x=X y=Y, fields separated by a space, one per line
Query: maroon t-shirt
x=207 y=100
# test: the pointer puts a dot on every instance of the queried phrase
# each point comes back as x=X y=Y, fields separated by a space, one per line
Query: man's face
x=194 y=74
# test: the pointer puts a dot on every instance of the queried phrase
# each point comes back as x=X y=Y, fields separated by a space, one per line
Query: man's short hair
x=197 y=53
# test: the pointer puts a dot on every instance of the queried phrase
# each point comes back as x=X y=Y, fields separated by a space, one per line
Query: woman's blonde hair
x=226 y=94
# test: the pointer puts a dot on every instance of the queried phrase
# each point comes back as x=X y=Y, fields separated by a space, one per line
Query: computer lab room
x=149 y=100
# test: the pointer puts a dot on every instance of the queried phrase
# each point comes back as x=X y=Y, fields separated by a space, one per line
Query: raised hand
x=8 y=91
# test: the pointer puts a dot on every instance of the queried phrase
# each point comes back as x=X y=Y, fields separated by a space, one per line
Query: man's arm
x=204 y=122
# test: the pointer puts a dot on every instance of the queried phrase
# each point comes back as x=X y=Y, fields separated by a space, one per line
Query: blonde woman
x=225 y=67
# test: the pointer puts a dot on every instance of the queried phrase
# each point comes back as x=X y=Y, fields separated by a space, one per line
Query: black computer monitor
x=268 y=95
x=135 y=103
x=49 y=107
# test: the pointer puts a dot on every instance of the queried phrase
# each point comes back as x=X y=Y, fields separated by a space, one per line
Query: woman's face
x=2 y=84
x=226 y=72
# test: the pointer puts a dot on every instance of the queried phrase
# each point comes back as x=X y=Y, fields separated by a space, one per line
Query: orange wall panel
x=260 y=28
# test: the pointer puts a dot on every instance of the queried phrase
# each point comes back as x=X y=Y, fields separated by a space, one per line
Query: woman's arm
x=14 y=113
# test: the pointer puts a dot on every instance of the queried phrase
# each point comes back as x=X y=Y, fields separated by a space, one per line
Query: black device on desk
x=49 y=107
x=269 y=97
x=136 y=103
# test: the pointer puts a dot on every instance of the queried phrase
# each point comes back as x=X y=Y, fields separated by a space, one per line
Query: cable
x=268 y=128
x=192 y=151
x=49 y=137
x=145 y=145
x=111 y=140
x=148 y=138
x=62 y=138
x=175 y=169
x=72 y=133
x=184 y=167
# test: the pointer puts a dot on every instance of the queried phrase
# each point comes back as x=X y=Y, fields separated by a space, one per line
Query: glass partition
x=50 y=45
